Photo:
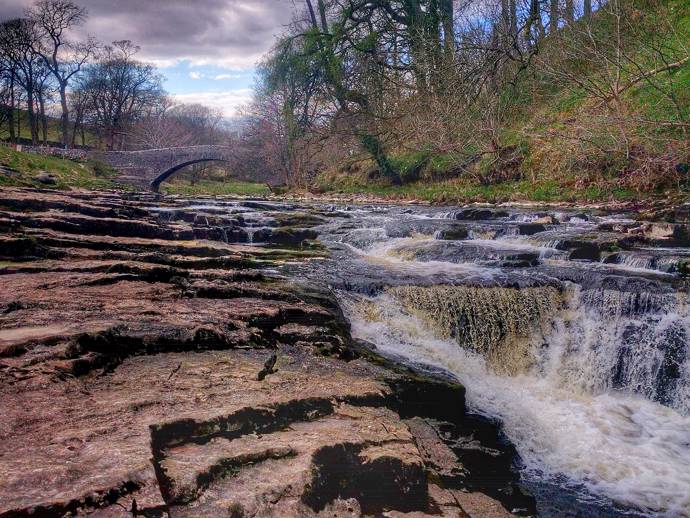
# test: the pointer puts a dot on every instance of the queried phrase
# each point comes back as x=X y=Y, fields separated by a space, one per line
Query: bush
x=101 y=169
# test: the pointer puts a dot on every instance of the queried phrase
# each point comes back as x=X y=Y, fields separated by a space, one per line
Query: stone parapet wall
x=69 y=154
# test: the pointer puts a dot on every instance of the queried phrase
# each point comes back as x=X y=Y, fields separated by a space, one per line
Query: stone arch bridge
x=149 y=168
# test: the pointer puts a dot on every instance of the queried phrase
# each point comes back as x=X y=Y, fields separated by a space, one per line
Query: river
x=565 y=330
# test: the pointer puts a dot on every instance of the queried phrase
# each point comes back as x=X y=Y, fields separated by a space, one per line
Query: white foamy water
x=376 y=248
x=560 y=418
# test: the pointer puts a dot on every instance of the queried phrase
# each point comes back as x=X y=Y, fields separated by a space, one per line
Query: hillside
x=558 y=137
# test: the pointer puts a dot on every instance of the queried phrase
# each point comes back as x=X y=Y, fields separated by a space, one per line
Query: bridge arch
x=156 y=182
x=148 y=168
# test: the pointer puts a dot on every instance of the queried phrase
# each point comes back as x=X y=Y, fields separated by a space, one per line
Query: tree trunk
x=75 y=129
x=533 y=21
x=65 y=114
x=13 y=136
x=509 y=18
x=569 y=12
x=448 y=22
x=322 y=15
x=44 y=119
x=553 y=17
x=33 y=124
x=505 y=15
x=588 y=9
x=416 y=35
x=312 y=15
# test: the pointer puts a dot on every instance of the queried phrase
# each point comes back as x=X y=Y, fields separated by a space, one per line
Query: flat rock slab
x=130 y=355
x=64 y=441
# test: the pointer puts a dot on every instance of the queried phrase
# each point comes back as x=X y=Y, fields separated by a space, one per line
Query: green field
x=216 y=188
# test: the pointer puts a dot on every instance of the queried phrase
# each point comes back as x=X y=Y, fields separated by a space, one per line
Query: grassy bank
x=557 y=137
x=463 y=191
x=23 y=130
x=22 y=169
x=216 y=188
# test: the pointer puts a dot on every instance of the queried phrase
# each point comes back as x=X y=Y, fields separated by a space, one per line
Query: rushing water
x=585 y=363
x=572 y=334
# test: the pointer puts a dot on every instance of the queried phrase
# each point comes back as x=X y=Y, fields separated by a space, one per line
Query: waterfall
x=505 y=325
x=631 y=341
x=591 y=340
x=586 y=364
x=576 y=409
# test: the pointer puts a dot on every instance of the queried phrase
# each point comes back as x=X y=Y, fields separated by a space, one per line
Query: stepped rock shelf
x=158 y=358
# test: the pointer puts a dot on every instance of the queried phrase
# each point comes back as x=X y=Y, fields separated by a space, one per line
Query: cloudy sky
x=206 y=49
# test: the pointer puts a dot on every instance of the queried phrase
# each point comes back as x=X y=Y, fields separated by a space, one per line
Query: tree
x=18 y=40
x=64 y=58
x=554 y=15
x=6 y=102
x=7 y=84
x=118 y=91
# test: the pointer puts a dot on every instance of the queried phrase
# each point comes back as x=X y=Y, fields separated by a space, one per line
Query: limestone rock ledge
x=131 y=339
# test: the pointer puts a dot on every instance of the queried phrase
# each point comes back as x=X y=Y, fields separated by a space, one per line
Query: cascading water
x=559 y=412
x=586 y=364
x=502 y=324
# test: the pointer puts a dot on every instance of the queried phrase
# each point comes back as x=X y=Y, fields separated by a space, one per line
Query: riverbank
x=551 y=193
x=18 y=169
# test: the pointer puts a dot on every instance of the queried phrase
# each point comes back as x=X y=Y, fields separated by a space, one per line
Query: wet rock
x=266 y=206
x=285 y=236
x=470 y=252
x=453 y=233
x=129 y=354
x=585 y=252
x=24 y=248
x=297 y=219
x=546 y=220
x=480 y=214
x=529 y=229
x=9 y=171
x=269 y=368
x=46 y=178
x=578 y=217
x=669 y=234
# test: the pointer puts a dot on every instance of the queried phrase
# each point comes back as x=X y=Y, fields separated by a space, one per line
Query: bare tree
x=64 y=58
x=554 y=16
x=18 y=39
x=6 y=102
x=118 y=90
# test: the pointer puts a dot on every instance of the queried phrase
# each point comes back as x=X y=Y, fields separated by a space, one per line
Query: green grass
x=216 y=188
x=68 y=173
x=459 y=191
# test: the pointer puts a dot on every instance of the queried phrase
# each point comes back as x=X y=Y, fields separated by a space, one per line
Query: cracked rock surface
x=132 y=332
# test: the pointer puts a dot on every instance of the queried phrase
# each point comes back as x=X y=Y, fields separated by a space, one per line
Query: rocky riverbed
x=168 y=357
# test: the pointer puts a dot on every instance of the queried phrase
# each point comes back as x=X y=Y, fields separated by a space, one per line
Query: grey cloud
x=229 y=32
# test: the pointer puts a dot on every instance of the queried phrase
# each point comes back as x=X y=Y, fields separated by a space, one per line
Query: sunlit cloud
x=228 y=101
